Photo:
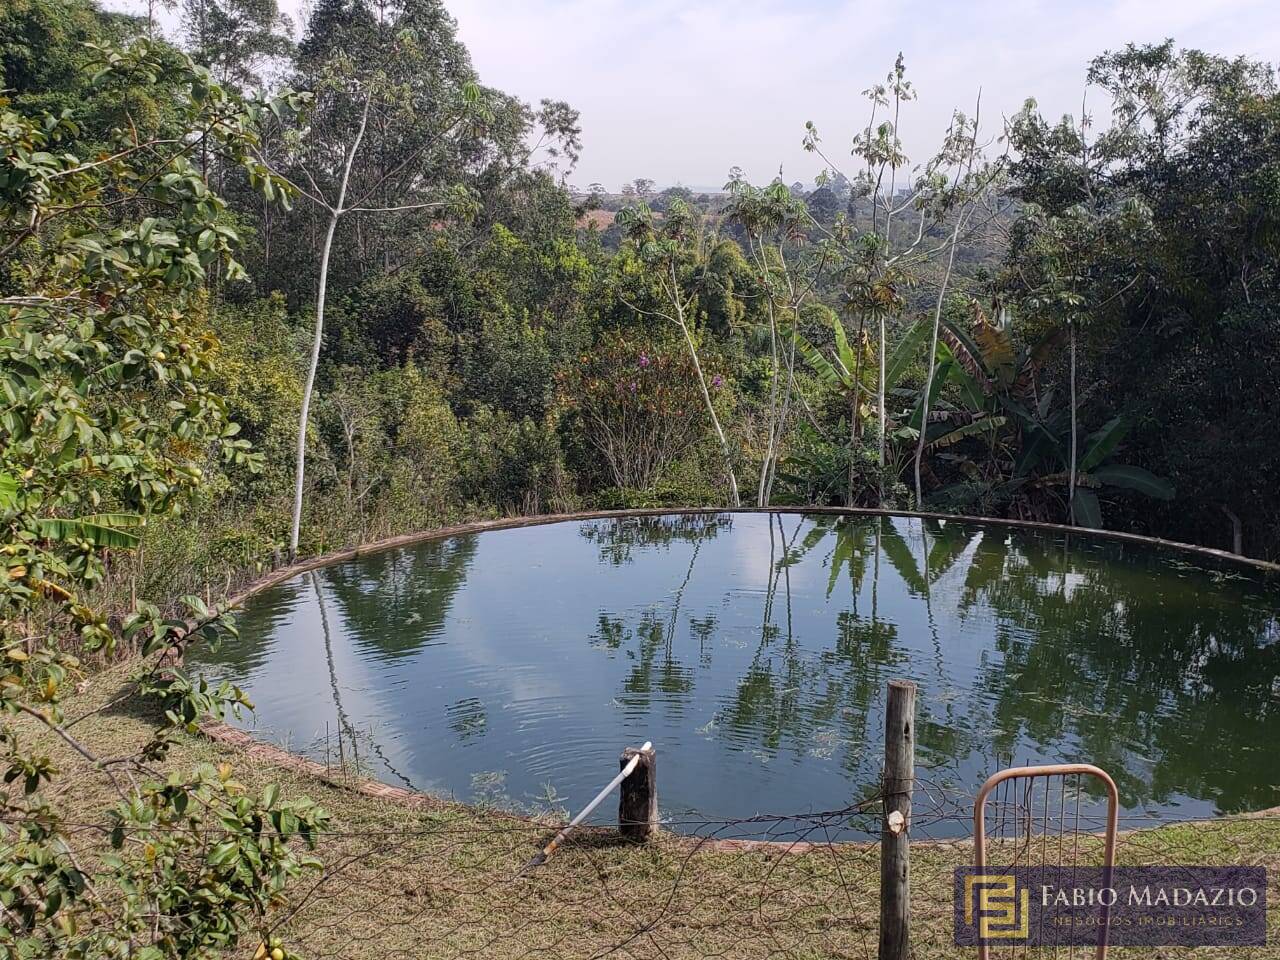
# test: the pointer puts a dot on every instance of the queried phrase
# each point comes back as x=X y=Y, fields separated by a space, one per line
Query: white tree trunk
x=335 y=214
x=933 y=362
x=1071 y=480
x=316 y=339
x=884 y=419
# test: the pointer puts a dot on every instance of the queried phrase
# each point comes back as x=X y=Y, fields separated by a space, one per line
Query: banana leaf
x=1086 y=510
x=1101 y=443
x=823 y=368
x=973 y=429
x=99 y=534
x=1135 y=478
x=905 y=352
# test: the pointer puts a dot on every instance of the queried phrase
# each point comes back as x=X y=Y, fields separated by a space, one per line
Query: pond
x=511 y=666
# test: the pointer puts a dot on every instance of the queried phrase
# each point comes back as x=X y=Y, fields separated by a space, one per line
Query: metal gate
x=1036 y=820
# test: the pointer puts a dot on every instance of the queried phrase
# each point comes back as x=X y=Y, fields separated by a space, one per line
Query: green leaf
x=115 y=519
x=941 y=373
x=820 y=365
x=1037 y=444
x=98 y=534
x=977 y=427
x=1086 y=510
x=843 y=350
x=1103 y=442
x=1135 y=478
x=905 y=352
x=8 y=491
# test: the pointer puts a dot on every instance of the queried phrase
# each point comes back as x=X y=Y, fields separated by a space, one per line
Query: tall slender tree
x=889 y=236
x=236 y=39
x=672 y=252
x=774 y=222
x=399 y=134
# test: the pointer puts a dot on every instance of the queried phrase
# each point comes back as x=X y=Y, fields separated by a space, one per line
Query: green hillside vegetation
x=262 y=300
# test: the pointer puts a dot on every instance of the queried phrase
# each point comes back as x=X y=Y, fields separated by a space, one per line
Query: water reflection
x=620 y=538
x=755 y=648
x=398 y=601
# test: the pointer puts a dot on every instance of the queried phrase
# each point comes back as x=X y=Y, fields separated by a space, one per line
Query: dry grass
x=445 y=881
x=600 y=219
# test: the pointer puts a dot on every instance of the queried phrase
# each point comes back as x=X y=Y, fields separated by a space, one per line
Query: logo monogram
x=1002 y=910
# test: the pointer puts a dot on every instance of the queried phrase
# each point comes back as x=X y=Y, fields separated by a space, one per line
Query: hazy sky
x=681 y=90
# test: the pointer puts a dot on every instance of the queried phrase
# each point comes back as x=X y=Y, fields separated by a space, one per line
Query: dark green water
x=754 y=649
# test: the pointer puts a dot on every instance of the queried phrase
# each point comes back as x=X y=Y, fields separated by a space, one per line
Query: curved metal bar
x=1044 y=772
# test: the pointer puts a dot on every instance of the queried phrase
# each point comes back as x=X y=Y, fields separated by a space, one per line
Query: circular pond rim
x=253 y=748
x=285 y=573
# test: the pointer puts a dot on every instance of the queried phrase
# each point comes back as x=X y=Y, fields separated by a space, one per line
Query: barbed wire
x=449 y=883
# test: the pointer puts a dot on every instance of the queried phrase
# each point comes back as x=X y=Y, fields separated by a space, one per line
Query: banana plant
x=1026 y=433
x=851 y=372
x=1047 y=459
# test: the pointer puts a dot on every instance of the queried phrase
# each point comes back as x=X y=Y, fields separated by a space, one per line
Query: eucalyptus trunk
x=335 y=214
x=880 y=398
x=853 y=447
x=1075 y=426
x=933 y=362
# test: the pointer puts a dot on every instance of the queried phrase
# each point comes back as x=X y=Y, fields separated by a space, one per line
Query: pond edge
x=246 y=743
x=282 y=574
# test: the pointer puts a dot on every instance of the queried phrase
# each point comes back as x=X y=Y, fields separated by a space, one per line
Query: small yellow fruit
x=277 y=954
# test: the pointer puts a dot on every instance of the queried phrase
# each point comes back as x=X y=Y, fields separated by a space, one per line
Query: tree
x=1150 y=243
x=879 y=262
x=958 y=200
x=399 y=73
x=638 y=400
x=106 y=420
x=1024 y=435
x=848 y=372
x=678 y=247
x=236 y=38
x=398 y=126
x=773 y=219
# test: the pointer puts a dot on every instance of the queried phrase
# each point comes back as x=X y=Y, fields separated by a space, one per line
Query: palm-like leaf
x=973 y=429
x=84 y=528
x=823 y=368
x=905 y=352
x=1101 y=443
x=1087 y=509
x=1135 y=478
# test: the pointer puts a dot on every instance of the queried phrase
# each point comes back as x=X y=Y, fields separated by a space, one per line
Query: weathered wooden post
x=638 y=796
x=895 y=854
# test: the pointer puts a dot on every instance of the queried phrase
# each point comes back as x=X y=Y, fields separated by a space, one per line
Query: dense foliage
x=110 y=418
x=238 y=326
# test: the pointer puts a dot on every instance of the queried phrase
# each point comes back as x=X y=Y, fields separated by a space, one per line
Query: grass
x=443 y=880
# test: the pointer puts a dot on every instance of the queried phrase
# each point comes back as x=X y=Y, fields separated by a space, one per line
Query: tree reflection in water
x=755 y=648
x=1091 y=656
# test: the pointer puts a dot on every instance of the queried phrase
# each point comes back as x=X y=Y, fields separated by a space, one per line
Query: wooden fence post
x=895 y=854
x=638 y=795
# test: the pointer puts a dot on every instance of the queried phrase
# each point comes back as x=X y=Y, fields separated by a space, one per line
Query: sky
x=680 y=91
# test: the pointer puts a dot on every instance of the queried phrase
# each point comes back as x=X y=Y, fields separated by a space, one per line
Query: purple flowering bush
x=639 y=403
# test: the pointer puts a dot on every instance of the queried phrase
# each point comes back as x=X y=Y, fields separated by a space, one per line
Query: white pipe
x=625 y=772
x=622 y=775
